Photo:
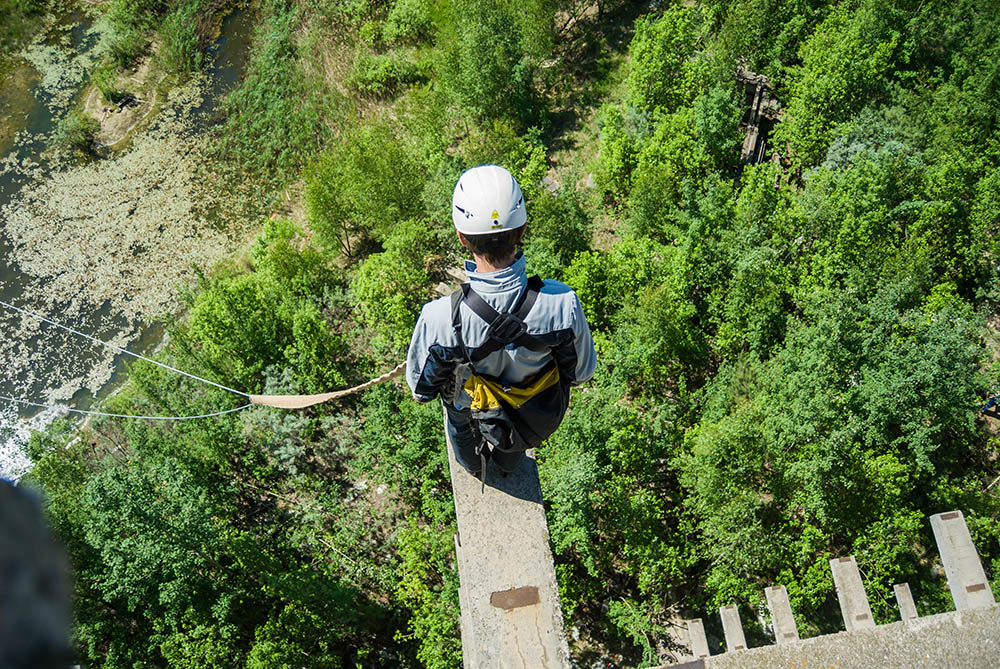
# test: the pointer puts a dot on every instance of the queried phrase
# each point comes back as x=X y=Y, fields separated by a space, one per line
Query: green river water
x=102 y=246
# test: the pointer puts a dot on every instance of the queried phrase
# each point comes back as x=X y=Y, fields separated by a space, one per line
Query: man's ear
x=462 y=240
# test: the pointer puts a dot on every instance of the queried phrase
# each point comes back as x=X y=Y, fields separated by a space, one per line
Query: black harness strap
x=504 y=328
x=456 y=321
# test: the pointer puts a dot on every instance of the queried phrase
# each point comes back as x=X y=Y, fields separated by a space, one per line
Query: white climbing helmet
x=487 y=199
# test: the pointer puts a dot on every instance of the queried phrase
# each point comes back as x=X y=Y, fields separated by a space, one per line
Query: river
x=104 y=245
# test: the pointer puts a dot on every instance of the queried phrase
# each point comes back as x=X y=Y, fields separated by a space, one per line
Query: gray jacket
x=435 y=364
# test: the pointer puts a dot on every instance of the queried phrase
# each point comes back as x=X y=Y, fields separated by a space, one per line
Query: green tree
x=361 y=188
x=486 y=64
x=390 y=287
x=660 y=71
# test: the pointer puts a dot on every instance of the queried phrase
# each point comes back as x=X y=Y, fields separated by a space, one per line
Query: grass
x=276 y=119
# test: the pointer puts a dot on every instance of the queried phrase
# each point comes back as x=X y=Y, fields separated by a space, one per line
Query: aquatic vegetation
x=63 y=65
x=108 y=244
x=76 y=132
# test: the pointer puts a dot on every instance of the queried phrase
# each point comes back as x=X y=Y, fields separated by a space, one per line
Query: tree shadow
x=592 y=34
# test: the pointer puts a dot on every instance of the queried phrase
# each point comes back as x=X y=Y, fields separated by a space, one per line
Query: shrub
x=487 y=68
x=616 y=158
x=360 y=189
x=659 y=71
x=717 y=116
x=846 y=62
x=105 y=78
x=558 y=228
x=76 y=132
x=670 y=168
x=389 y=287
x=131 y=21
x=382 y=75
x=408 y=22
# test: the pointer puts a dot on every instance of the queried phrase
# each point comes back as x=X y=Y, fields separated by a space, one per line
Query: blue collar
x=512 y=277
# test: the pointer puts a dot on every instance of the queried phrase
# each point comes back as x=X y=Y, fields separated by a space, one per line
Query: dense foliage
x=794 y=355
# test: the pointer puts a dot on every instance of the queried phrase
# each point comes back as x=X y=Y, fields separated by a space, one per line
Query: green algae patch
x=120 y=235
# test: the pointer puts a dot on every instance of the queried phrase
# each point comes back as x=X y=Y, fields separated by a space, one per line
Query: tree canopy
x=794 y=355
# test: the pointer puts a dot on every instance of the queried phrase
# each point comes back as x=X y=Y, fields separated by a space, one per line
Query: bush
x=606 y=280
x=558 y=229
x=131 y=21
x=660 y=73
x=717 y=115
x=486 y=66
x=105 y=78
x=846 y=63
x=248 y=322
x=408 y=22
x=389 y=287
x=616 y=156
x=382 y=75
x=358 y=191
x=670 y=170
x=76 y=132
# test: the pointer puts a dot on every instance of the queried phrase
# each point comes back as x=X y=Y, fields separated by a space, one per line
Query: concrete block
x=511 y=616
x=785 y=630
x=966 y=579
x=699 y=643
x=907 y=607
x=732 y=626
x=464 y=625
x=954 y=640
x=854 y=605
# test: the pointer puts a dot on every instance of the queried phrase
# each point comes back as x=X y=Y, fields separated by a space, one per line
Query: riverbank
x=106 y=245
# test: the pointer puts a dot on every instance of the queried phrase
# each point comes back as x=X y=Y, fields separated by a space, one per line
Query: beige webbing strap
x=303 y=401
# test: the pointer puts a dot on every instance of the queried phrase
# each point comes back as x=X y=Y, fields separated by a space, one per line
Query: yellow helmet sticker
x=495 y=214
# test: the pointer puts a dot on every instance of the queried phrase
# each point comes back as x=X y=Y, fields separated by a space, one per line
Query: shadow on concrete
x=522 y=483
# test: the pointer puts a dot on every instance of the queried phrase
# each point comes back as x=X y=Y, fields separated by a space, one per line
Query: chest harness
x=510 y=417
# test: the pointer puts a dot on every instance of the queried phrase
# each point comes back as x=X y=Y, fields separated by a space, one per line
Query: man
x=503 y=352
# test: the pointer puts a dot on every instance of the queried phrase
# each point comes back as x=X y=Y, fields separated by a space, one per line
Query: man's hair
x=497 y=246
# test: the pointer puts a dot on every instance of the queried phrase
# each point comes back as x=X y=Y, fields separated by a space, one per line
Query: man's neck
x=483 y=265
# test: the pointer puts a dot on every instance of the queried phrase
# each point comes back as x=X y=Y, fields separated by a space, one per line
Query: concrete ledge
x=511 y=616
x=967 y=639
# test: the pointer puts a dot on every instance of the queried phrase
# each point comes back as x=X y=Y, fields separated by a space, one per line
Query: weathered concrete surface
x=732 y=627
x=511 y=617
x=698 y=641
x=785 y=630
x=907 y=607
x=966 y=579
x=854 y=607
x=967 y=639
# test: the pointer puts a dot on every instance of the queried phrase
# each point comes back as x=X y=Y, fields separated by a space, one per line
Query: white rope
x=60 y=407
x=120 y=350
x=279 y=401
